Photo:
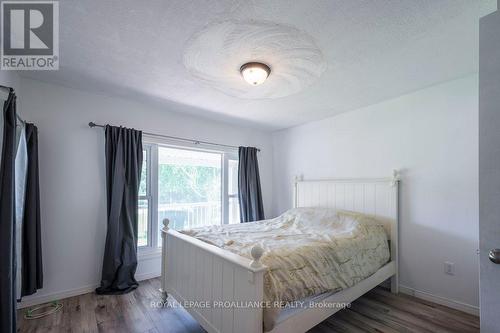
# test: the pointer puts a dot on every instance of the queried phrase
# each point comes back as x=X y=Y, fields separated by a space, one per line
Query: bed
x=225 y=291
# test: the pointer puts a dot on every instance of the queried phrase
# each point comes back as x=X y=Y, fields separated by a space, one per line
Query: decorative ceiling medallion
x=216 y=54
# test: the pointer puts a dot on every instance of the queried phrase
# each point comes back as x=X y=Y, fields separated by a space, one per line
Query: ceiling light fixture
x=255 y=73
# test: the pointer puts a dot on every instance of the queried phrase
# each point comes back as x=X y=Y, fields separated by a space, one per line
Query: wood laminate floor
x=377 y=311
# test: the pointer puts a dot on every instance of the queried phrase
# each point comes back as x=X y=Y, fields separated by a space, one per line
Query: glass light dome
x=255 y=73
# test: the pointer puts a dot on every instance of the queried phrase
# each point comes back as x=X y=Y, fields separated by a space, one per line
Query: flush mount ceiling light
x=255 y=73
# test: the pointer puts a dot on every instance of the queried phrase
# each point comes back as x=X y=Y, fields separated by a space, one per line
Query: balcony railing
x=183 y=215
x=187 y=216
x=191 y=215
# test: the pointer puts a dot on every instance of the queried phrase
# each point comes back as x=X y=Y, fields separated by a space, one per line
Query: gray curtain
x=32 y=271
x=7 y=218
x=250 y=194
x=123 y=171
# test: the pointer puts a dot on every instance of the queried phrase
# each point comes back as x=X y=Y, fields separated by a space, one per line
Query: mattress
x=307 y=251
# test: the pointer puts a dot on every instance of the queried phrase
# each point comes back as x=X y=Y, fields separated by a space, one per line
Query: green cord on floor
x=50 y=308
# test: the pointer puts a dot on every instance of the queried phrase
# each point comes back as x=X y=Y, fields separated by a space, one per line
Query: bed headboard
x=377 y=197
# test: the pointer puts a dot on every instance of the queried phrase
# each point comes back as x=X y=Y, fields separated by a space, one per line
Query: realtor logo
x=30 y=35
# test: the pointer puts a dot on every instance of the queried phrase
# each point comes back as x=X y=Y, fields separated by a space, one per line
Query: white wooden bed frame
x=203 y=274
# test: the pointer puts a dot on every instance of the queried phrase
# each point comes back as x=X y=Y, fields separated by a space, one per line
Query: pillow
x=312 y=216
x=348 y=216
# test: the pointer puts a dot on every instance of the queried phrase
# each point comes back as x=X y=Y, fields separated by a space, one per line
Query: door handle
x=494 y=256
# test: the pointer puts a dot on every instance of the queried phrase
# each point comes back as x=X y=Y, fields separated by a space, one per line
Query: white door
x=489 y=171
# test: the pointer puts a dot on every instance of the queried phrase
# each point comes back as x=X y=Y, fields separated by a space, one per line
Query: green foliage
x=183 y=184
x=142 y=184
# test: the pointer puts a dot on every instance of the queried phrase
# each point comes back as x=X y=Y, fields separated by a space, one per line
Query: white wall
x=72 y=175
x=432 y=137
x=10 y=79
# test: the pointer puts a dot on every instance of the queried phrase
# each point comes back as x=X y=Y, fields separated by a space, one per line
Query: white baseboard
x=467 y=308
x=40 y=299
x=147 y=276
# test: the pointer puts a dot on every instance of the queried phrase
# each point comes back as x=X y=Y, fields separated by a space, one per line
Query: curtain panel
x=32 y=271
x=123 y=171
x=7 y=218
x=249 y=190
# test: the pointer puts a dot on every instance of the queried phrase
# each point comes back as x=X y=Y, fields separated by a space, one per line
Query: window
x=191 y=187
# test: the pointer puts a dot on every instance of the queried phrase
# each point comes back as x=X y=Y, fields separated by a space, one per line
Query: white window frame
x=151 y=145
x=149 y=195
x=227 y=157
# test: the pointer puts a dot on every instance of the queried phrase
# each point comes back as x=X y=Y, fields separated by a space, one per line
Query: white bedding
x=308 y=251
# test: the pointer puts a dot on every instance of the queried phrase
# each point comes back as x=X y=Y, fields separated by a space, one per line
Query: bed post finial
x=166 y=223
x=296 y=180
x=395 y=177
x=256 y=252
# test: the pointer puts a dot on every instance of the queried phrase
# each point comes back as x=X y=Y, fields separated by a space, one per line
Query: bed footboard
x=221 y=290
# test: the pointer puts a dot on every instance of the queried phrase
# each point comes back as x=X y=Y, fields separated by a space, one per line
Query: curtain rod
x=9 y=90
x=196 y=142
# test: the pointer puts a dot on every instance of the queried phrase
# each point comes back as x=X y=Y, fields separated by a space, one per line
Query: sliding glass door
x=191 y=187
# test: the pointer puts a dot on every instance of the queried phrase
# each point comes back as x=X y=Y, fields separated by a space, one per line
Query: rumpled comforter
x=308 y=251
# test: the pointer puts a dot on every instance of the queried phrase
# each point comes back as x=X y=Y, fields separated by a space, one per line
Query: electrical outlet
x=449 y=268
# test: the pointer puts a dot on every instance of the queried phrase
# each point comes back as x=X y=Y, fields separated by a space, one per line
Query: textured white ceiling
x=374 y=50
